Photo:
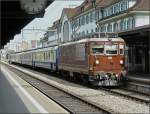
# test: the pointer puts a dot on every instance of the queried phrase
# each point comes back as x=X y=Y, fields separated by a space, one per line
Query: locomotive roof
x=94 y=40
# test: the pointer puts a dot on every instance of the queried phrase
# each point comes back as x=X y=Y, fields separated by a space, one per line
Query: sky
x=53 y=13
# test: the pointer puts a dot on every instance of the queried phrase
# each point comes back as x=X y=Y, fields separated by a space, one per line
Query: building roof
x=86 y=5
x=70 y=12
x=104 y=3
x=141 y=5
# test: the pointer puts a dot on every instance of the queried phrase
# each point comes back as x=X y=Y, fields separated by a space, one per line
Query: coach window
x=49 y=55
x=98 y=49
x=46 y=55
x=34 y=54
x=43 y=56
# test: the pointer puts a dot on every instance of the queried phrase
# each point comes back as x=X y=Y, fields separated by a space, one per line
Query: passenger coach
x=41 y=57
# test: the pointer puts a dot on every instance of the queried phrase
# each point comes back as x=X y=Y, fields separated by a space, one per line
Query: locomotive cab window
x=121 y=49
x=111 y=49
x=98 y=49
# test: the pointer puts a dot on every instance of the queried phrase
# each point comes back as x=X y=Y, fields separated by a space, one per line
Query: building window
x=83 y=20
x=133 y=22
x=83 y=34
x=79 y=34
x=96 y=15
x=128 y=24
x=82 y=9
x=91 y=17
x=100 y=13
x=104 y=13
x=79 y=22
x=87 y=19
x=111 y=11
x=87 y=32
x=103 y=28
x=96 y=29
x=93 y=3
x=116 y=8
x=109 y=28
x=123 y=25
x=124 y=5
x=115 y=27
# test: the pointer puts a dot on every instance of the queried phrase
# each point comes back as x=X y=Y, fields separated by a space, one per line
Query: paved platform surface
x=17 y=96
x=143 y=78
x=101 y=98
x=140 y=76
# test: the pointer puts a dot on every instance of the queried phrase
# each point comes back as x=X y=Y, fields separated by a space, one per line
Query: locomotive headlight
x=121 y=62
x=117 y=75
x=106 y=75
x=97 y=62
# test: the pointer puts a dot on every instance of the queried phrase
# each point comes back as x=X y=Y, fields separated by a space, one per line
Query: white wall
x=142 y=19
x=131 y=3
x=88 y=27
x=65 y=18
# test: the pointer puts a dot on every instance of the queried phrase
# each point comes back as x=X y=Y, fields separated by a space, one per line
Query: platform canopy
x=13 y=19
x=138 y=34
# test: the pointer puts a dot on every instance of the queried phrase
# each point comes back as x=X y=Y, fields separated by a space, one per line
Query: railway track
x=95 y=96
x=128 y=94
x=72 y=103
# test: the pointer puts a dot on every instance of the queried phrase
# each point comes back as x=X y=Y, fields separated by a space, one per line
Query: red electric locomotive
x=99 y=61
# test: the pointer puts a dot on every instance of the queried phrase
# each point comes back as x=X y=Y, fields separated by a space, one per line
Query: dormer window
x=124 y=5
x=93 y=3
x=82 y=9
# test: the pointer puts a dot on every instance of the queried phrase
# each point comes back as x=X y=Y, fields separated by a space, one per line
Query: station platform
x=139 y=83
x=143 y=78
x=18 y=96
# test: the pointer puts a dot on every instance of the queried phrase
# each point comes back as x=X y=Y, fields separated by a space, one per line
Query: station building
x=81 y=21
x=129 y=18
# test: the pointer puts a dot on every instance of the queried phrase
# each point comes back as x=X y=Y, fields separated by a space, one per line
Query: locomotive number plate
x=109 y=57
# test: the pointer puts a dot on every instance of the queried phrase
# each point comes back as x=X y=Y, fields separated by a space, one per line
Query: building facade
x=131 y=20
x=123 y=15
x=119 y=16
x=80 y=22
